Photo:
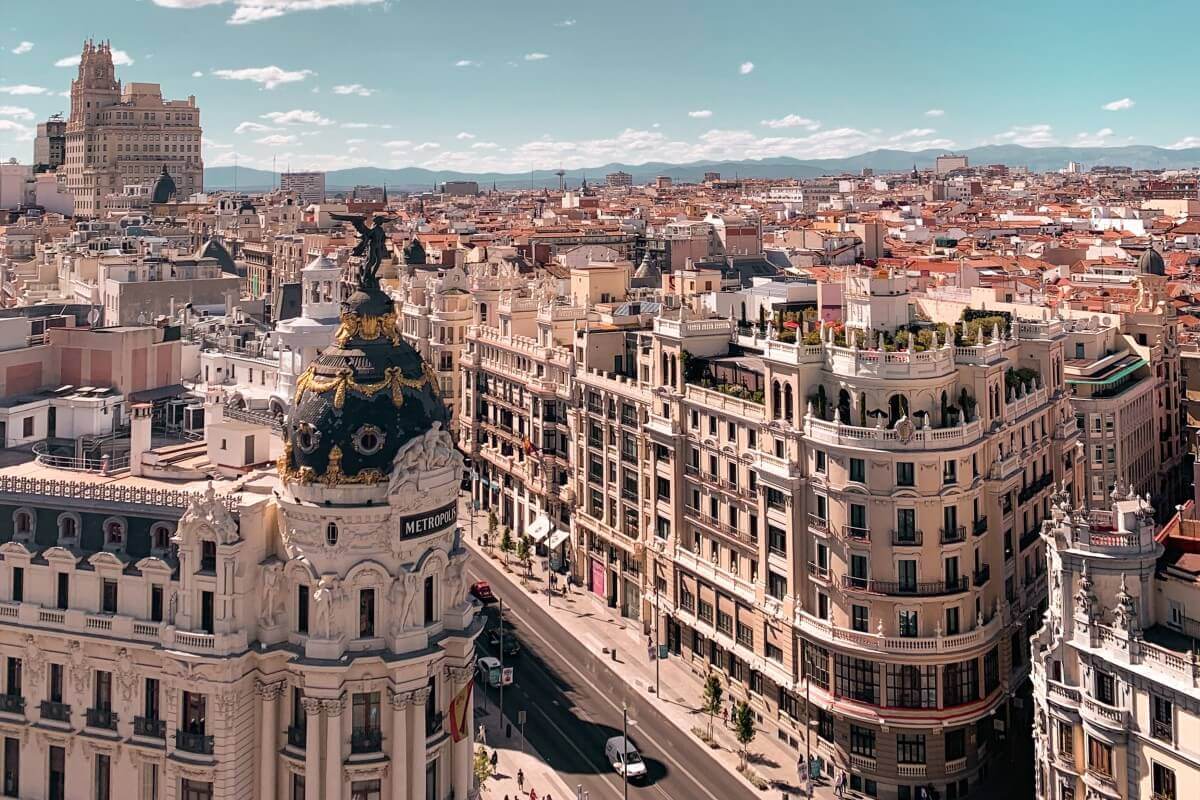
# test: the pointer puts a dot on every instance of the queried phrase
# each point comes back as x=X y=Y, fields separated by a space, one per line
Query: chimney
x=139 y=436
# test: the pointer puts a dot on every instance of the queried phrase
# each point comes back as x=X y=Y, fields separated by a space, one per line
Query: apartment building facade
x=126 y=135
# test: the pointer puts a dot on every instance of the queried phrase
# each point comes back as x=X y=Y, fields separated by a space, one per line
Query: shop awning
x=558 y=537
x=539 y=529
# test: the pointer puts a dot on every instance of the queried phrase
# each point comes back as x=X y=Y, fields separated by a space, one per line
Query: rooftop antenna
x=561 y=173
x=235 y=173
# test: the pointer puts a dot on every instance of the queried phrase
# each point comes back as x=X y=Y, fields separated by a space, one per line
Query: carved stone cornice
x=333 y=706
x=420 y=696
x=400 y=700
x=269 y=691
x=459 y=675
x=312 y=705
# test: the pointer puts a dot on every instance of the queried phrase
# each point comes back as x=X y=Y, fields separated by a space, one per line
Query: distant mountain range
x=1038 y=159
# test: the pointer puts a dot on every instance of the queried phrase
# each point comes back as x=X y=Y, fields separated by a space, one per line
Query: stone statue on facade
x=272 y=576
x=371 y=247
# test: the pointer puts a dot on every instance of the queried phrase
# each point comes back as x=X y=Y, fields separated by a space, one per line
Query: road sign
x=494 y=675
x=507 y=678
x=521 y=717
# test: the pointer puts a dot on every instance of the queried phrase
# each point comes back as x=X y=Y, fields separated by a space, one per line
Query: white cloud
x=120 y=59
x=566 y=23
x=791 y=121
x=23 y=89
x=1098 y=139
x=247 y=11
x=935 y=112
x=355 y=141
x=384 y=125
x=484 y=145
x=353 y=88
x=1040 y=135
x=22 y=48
x=928 y=144
x=16 y=112
x=703 y=113
x=197 y=74
x=24 y=133
x=207 y=142
x=267 y=77
x=1123 y=104
x=463 y=136
x=746 y=68
x=911 y=133
x=1184 y=143
x=536 y=56
x=423 y=146
x=277 y=140
x=466 y=62
x=397 y=144
x=296 y=116
x=252 y=127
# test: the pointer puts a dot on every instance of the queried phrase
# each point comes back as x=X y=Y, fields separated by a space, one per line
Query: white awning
x=539 y=529
x=558 y=537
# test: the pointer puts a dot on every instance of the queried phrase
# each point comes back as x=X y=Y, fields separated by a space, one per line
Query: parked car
x=482 y=591
x=625 y=758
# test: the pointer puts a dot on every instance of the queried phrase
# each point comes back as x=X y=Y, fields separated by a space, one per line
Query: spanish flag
x=460 y=713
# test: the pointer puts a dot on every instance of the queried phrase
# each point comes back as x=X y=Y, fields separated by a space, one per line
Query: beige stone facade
x=117 y=136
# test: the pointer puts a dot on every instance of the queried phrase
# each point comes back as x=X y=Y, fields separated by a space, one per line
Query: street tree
x=743 y=728
x=506 y=543
x=713 y=692
x=523 y=553
x=482 y=765
x=492 y=522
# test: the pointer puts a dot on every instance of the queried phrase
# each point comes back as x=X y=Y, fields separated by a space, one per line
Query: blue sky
x=514 y=84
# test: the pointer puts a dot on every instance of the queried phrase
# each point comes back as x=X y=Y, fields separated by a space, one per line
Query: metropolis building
x=298 y=633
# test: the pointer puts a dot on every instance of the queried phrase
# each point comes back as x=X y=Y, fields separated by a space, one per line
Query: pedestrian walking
x=532 y=795
x=839 y=786
x=521 y=780
x=495 y=760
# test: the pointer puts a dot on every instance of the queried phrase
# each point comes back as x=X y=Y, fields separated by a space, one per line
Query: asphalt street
x=573 y=701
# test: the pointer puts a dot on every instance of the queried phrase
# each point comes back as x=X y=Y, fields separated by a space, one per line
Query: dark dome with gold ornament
x=361 y=400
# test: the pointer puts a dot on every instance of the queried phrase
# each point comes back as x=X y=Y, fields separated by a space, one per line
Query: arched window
x=776 y=401
x=897 y=408
x=787 y=402
x=331 y=534
x=160 y=536
x=844 y=407
x=23 y=523
x=114 y=533
x=68 y=527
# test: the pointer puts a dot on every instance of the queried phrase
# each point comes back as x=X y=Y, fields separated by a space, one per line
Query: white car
x=625 y=758
x=488 y=670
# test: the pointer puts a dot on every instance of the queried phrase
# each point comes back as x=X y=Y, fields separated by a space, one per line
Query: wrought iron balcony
x=58 y=712
x=365 y=740
x=907 y=537
x=12 y=704
x=980 y=526
x=858 y=534
x=906 y=588
x=983 y=574
x=954 y=535
x=198 y=743
x=102 y=718
x=151 y=728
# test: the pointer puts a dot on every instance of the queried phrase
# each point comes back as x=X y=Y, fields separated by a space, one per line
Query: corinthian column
x=312 y=748
x=333 y=749
x=463 y=751
x=416 y=744
x=400 y=703
x=268 y=694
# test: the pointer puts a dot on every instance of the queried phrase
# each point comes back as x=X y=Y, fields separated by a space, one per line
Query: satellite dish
x=93 y=316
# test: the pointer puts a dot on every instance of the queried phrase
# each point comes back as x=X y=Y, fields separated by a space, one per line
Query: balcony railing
x=198 y=743
x=905 y=537
x=917 y=589
x=58 y=712
x=1160 y=729
x=366 y=740
x=954 y=535
x=151 y=728
x=817 y=523
x=858 y=534
x=817 y=571
x=102 y=718
x=297 y=736
x=1030 y=536
x=983 y=574
x=12 y=704
x=980 y=526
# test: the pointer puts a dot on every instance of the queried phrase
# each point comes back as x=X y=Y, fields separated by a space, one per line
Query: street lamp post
x=807 y=726
x=657 y=633
x=501 y=721
x=625 y=747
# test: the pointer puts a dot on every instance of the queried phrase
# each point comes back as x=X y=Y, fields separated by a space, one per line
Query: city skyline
x=671 y=84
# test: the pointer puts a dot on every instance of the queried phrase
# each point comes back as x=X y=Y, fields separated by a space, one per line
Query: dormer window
x=68 y=529
x=114 y=533
x=331 y=534
x=160 y=537
x=23 y=523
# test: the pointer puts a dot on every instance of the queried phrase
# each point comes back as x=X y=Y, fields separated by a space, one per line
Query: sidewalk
x=601 y=629
x=512 y=754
